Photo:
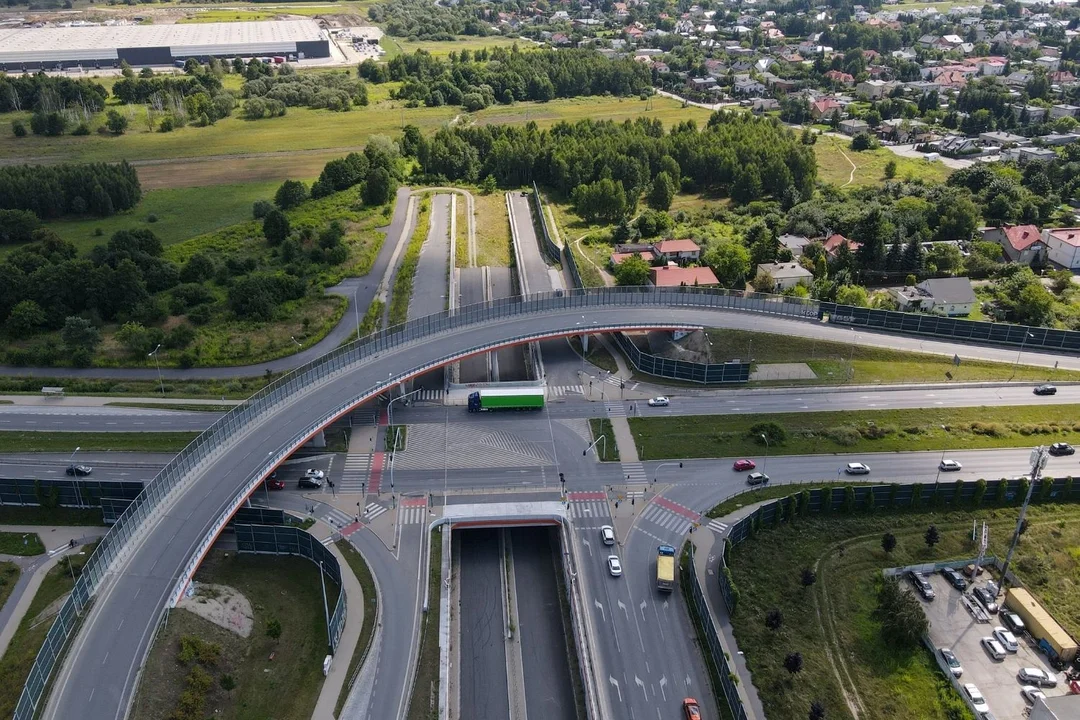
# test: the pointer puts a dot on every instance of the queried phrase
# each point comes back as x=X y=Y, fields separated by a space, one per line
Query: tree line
x=51 y=191
x=332 y=91
x=40 y=92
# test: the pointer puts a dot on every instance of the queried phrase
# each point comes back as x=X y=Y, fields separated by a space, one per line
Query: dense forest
x=50 y=191
x=333 y=91
x=42 y=93
x=505 y=75
x=737 y=155
x=426 y=20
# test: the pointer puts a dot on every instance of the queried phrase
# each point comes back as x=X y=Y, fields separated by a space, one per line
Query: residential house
x=1019 y=243
x=1063 y=246
x=1024 y=155
x=1001 y=139
x=904 y=131
x=853 y=126
x=680 y=251
x=952 y=297
x=764 y=105
x=1061 y=77
x=700 y=84
x=840 y=78
x=1064 y=111
x=1050 y=64
x=824 y=108
x=794 y=243
x=748 y=86
x=834 y=241
x=991 y=65
x=675 y=276
x=875 y=89
x=787 y=275
x=1027 y=114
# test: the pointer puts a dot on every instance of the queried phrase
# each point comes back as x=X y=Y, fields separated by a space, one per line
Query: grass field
x=461 y=237
x=12 y=441
x=608 y=449
x=25 y=544
x=833 y=362
x=370 y=609
x=35 y=515
x=834 y=168
x=403 y=278
x=27 y=640
x=892 y=681
x=267 y=167
x=492 y=230
x=237 y=389
x=9 y=575
x=810 y=433
x=442 y=48
x=426 y=683
x=286 y=589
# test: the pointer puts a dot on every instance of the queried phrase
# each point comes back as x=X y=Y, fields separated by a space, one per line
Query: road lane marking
x=612 y=680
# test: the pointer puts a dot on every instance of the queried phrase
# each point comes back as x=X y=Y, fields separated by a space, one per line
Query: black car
x=987 y=599
x=1013 y=622
x=955 y=578
x=1045 y=390
x=79 y=470
x=1062 y=449
x=309 y=482
x=921 y=584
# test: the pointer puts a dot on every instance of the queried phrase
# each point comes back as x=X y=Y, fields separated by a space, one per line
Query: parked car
x=309 y=482
x=660 y=401
x=315 y=474
x=274 y=484
x=79 y=470
x=1032 y=694
x=857 y=468
x=921 y=584
x=977 y=699
x=1060 y=448
x=1012 y=621
x=756 y=478
x=950 y=660
x=1036 y=676
x=1006 y=638
x=993 y=648
x=607 y=534
x=955 y=578
x=987 y=599
x=949 y=466
x=743 y=465
x=614 y=566
x=1045 y=390
x=691 y=709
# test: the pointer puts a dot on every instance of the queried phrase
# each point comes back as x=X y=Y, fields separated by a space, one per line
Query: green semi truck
x=506 y=399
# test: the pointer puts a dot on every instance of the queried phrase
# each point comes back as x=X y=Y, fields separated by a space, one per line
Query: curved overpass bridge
x=144 y=564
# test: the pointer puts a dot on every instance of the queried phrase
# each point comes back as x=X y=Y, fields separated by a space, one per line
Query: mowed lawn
x=442 y=48
x=834 y=168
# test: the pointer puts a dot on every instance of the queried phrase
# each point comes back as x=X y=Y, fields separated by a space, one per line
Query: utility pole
x=1038 y=460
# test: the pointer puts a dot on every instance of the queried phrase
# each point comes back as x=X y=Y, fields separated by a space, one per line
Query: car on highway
x=1036 y=676
x=1006 y=638
x=993 y=648
x=614 y=566
x=607 y=534
x=921 y=584
x=949 y=466
x=1045 y=390
x=743 y=465
x=1060 y=448
x=857 y=468
x=951 y=662
x=1012 y=621
x=977 y=700
x=987 y=599
x=79 y=470
x=955 y=578
x=660 y=401
x=756 y=478
x=274 y=483
x=315 y=474
x=306 y=481
x=691 y=709
x=1032 y=694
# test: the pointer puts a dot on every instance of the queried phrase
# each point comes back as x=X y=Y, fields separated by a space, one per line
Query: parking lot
x=954 y=626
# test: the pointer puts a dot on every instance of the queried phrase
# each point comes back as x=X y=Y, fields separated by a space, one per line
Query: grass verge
x=32 y=515
x=185 y=407
x=34 y=626
x=598 y=354
x=834 y=362
x=282 y=589
x=403 y=279
x=426 y=683
x=608 y=449
x=238 y=389
x=337 y=438
x=461 y=237
x=9 y=575
x=371 y=612
x=493 y=242
x=25 y=544
x=396 y=438
x=370 y=323
x=704 y=436
x=20 y=441
x=699 y=635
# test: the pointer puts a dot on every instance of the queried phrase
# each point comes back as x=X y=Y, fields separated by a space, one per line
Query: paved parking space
x=954 y=626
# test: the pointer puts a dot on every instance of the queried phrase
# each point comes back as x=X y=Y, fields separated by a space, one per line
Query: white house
x=1063 y=246
x=952 y=297
x=787 y=275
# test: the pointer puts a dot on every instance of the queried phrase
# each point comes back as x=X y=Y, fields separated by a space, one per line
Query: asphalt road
x=511 y=360
x=482 y=646
x=429 y=288
x=471 y=285
x=531 y=261
x=116 y=466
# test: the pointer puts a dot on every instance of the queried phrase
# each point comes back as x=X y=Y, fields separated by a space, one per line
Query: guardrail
x=185 y=467
x=548 y=244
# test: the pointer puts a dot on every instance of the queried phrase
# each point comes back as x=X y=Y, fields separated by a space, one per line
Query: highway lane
x=107 y=465
x=482 y=644
x=73 y=418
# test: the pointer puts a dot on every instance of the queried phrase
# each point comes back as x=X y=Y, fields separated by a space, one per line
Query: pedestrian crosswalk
x=634 y=474
x=718 y=527
x=585 y=511
x=665 y=518
x=372 y=510
x=336 y=518
x=355 y=475
x=412 y=515
x=615 y=409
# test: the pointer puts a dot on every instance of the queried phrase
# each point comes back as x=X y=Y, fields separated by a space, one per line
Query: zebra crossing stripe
x=373 y=510
x=718 y=526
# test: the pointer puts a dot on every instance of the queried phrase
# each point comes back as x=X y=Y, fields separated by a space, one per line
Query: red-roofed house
x=823 y=108
x=834 y=241
x=1063 y=246
x=674 y=276
x=617 y=258
x=1020 y=243
x=840 y=77
x=680 y=251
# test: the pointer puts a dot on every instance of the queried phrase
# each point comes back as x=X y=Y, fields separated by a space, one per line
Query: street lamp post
x=656 y=472
x=158 y=364
x=1016 y=365
x=390 y=408
x=765 y=462
x=298 y=343
x=74 y=476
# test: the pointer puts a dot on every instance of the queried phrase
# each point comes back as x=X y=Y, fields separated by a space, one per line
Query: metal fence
x=546 y=242
x=187 y=465
x=284 y=540
x=72 y=492
x=953 y=328
x=730 y=372
x=712 y=643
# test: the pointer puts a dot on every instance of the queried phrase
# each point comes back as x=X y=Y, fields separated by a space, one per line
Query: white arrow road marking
x=588 y=545
x=625 y=611
x=641 y=684
x=687 y=681
x=642 y=607
x=615 y=682
x=663 y=682
x=665 y=604
x=601 y=609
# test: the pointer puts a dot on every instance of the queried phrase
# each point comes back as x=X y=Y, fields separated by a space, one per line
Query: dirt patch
x=222 y=605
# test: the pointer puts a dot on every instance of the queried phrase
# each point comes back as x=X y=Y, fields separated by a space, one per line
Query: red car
x=275 y=484
x=744 y=465
x=691 y=709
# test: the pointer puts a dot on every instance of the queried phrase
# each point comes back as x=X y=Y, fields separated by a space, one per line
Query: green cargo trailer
x=507 y=399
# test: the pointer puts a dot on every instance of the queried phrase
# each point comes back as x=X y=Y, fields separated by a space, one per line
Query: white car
x=607 y=534
x=1006 y=638
x=1032 y=694
x=1036 y=676
x=857 y=468
x=614 y=566
x=977 y=699
x=660 y=401
x=950 y=659
x=315 y=474
x=993 y=648
x=949 y=466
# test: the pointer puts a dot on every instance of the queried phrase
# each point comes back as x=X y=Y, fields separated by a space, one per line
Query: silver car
x=1036 y=676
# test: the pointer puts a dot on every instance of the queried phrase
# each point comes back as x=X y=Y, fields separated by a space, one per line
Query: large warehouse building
x=50 y=48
